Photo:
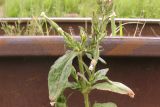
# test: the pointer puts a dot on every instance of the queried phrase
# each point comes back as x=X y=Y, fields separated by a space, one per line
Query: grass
x=1 y=2
x=34 y=27
x=138 y=8
x=84 y=8
x=25 y=8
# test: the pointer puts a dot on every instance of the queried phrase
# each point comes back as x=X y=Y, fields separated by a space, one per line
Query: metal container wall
x=24 y=82
x=25 y=62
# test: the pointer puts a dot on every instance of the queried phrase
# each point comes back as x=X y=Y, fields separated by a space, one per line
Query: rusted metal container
x=134 y=61
x=25 y=62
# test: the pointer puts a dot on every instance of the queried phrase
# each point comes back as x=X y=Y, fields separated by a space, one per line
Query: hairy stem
x=86 y=99
x=80 y=62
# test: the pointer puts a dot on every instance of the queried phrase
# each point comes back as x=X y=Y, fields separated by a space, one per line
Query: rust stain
x=126 y=48
x=2 y=42
x=51 y=48
x=35 y=78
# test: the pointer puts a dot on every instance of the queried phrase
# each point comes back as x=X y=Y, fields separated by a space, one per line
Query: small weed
x=87 y=77
x=12 y=30
x=33 y=27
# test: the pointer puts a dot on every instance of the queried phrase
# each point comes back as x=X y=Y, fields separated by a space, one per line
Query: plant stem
x=86 y=99
x=86 y=93
x=80 y=60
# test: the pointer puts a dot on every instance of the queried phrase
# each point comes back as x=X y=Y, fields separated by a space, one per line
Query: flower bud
x=92 y=64
x=52 y=103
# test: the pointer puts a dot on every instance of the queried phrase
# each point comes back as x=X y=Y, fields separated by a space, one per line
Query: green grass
x=138 y=8
x=1 y=2
x=25 y=8
x=124 y=8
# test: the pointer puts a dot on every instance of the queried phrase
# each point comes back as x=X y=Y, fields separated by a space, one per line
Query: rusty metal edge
x=54 y=46
x=80 y=19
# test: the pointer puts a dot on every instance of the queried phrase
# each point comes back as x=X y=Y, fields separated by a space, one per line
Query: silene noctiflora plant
x=88 y=77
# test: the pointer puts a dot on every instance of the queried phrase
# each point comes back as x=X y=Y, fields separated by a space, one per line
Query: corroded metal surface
x=54 y=46
x=31 y=46
x=81 y=19
x=23 y=82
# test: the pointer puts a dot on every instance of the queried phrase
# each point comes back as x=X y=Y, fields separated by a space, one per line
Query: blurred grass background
x=1 y=2
x=1 y=8
x=80 y=8
x=25 y=8
x=138 y=8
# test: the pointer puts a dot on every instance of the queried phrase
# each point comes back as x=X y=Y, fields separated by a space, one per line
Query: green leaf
x=113 y=25
x=109 y=104
x=102 y=72
x=96 y=53
x=59 y=104
x=102 y=60
x=58 y=75
x=95 y=26
x=101 y=75
x=83 y=36
x=89 y=56
x=74 y=73
x=116 y=87
x=83 y=77
x=87 y=69
x=61 y=101
x=73 y=85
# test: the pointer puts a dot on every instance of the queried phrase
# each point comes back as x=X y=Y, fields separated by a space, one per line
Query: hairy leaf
x=101 y=75
x=87 y=69
x=102 y=60
x=116 y=87
x=73 y=85
x=109 y=104
x=61 y=101
x=83 y=77
x=102 y=72
x=89 y=56
x=83 y=36
x=58 y=75
x=74 y=73
x=96 y=53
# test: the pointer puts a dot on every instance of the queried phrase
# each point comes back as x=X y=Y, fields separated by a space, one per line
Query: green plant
x=88 y=77
x=29 y=8
x=137 y=8
x=37 y=27
x=33 y=27
x=124 y=8
x=1 y=2
x=12 y=30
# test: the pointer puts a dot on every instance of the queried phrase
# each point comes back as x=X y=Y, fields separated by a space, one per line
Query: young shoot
x=86 y=78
